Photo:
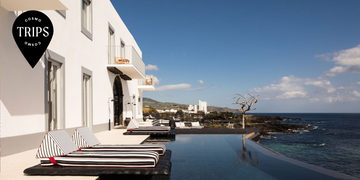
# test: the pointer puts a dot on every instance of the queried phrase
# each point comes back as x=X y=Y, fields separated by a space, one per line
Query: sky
x=298 y=56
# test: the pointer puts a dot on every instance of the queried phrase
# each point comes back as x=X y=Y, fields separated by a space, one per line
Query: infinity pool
x=232 y=157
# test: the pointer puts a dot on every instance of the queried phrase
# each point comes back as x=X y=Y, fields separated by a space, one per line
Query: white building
x=203 y=106
x=76 y=82
x=192 y=108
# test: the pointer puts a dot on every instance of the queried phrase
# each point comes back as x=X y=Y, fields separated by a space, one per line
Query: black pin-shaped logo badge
x=32 y=32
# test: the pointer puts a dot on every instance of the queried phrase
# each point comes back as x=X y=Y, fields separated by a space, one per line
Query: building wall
x=203 y=106
x=23 y=89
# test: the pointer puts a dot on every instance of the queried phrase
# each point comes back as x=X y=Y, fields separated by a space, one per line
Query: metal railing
x=118 y=54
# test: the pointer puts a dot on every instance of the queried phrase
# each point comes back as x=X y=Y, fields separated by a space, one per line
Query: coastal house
x=92 y=73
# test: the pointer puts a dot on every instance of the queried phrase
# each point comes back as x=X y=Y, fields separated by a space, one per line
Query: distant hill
x=162 y=105
x=170 y=105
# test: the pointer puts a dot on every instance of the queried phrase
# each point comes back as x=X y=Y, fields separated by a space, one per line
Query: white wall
x=203 y=106
x=23 y=88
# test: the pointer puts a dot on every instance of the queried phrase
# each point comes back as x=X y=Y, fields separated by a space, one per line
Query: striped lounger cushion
x=57 y=148
x=87 y=141
x=151 y=129
x=126 y=148
x=118 y=159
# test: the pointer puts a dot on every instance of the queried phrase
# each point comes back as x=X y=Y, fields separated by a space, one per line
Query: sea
x=333 y=143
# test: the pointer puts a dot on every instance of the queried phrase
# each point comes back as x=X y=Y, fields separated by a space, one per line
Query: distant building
x=167 y=111
x=160 y=111
x=192 y=108
x=203 y=106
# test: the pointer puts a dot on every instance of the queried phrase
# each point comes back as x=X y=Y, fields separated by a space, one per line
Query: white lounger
x=57 y=149
x=85 y=140
x=196 y=125
x=181 y=125
x=134 y=126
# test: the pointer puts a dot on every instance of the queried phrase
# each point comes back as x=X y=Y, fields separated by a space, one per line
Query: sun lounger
x=85 y=140
x=135 y=128
x=109 y=159
x=196 y=125
x=58 y=149
x=163 y=167
x=181 y=125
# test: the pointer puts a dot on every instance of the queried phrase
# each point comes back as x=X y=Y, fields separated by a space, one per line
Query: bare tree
x=245 y=105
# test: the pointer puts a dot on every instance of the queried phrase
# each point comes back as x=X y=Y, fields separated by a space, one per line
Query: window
x=111 y=46
x=53 y=81
x=122 y=50
x=54 y=91
x=86 y=18
x=86 y=98
x=139 y=105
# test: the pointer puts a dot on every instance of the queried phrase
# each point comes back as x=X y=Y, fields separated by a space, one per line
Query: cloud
x=312 y=100
x=150 y=67
x=320 y=89
x=181 y=87
x=173 y=87
x=292 y=95
x=356 y=93
x=287 y=87
x=178 y=87
x=200 y=81
x=331 y=90
x=347 y=61
x=312 y=90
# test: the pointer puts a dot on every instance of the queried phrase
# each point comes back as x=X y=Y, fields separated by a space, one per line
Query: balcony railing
x=147 y=83
x=127 y=60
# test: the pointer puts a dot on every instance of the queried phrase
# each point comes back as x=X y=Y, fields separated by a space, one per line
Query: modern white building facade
x=203 y=106
x=92 y=74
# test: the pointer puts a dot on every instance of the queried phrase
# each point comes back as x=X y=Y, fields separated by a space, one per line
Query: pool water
x=234 y=157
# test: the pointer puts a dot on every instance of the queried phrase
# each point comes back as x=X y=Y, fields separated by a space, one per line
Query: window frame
x=89 y=18
x=59 y=60
x=89 y=105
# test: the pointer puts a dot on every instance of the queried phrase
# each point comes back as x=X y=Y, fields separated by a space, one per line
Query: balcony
x=147 y=83
x=124 y=60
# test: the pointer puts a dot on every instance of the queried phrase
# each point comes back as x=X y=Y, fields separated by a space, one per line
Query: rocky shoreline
x=273 y=124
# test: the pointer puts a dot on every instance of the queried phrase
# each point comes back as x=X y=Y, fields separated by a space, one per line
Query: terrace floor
x=12 y=166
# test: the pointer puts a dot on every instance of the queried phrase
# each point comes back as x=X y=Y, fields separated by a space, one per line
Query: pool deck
x=12 y=166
